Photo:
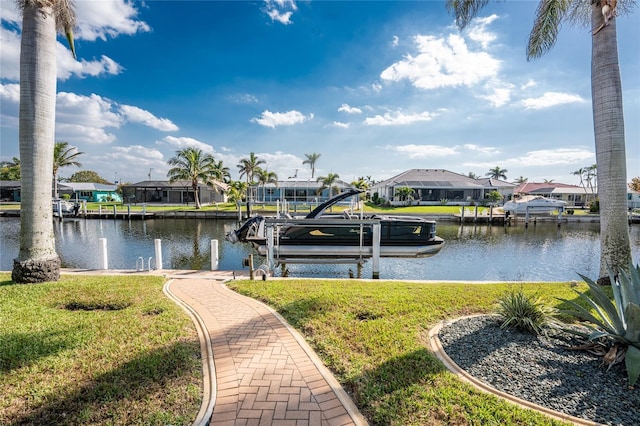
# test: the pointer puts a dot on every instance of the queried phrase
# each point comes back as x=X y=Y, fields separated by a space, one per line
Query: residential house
x=178 y=192
x=437 y=186
x=295 y=191
x=92 y=192
x=574 y=195
x=10 y=190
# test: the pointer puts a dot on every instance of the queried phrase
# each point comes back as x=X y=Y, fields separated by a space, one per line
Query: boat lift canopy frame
x=273 y=241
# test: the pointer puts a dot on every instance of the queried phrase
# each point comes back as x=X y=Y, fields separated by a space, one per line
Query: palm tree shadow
x=135 y=381
x=22 y=349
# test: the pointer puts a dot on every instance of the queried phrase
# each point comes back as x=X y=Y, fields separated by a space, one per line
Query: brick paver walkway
x=265 y=374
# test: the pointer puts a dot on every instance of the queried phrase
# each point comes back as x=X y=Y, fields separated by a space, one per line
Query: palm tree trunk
x=608 y=121
x=37 y=259
x=195 y=195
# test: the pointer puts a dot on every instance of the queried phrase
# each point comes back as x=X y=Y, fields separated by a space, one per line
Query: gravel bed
x=541 y=370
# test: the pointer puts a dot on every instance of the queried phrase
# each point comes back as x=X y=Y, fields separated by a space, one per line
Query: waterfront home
x=178 y=192
x=92 y=192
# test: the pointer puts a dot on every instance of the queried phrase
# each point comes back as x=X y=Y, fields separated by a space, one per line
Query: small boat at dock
x=324 y=236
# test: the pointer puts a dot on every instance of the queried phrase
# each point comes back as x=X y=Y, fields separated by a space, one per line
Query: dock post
x=462 y=214
x=376 y=251
x=129 y=211
x=475 y=216
x=526 y=218
x=214 y=255
x=158 y=246
x=270 y=259
x=114 y=211
x=103 y=250
x=100 y=211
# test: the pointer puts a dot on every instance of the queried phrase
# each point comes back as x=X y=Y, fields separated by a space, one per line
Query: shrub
x=66 y=197
x=617 y=321
x=527 y=313
x=594 y=206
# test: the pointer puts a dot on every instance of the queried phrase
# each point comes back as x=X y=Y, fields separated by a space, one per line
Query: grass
x=114 y=350
x=96 y=350
x=373 y=336
x=271 y=208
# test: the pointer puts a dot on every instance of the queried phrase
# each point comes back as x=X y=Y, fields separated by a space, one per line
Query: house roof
x=547 y=188
x=87 y=186
x=431 y=178
x=10 y=184
x=302 y=183
x=495 y=183
x=179 y=184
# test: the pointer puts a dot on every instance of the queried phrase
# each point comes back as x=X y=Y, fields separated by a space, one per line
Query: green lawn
x=114 y=350
x=373 y=336
x=96 y=350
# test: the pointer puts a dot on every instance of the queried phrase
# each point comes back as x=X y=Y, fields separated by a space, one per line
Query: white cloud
x=551 y=99
x=486 y=150
x=498 y=93
x=85 y=118
x=10 y=53
x=528 y=84
x=478 y=31
x=544 y=158
x=10 y=93
x=349 y=109
x=395 y=41
x=67 y=66
x=280 y=10
x=424 y=151
x=554 y=157
x=398 y=119
x=341 y=124
x=138 y=115
x=273 y=119
x=184 y=142
x=442 y=62
x=107 y=18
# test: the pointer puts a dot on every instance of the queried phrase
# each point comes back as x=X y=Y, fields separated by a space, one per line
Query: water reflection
x=471 y=252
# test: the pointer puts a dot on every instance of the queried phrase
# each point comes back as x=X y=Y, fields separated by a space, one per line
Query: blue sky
x=375 y=88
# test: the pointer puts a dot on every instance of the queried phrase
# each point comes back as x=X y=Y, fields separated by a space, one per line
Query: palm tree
x=265 y=177
x=63 y=156
x=405 y=193
x=521 y=179
x=37 y=259
x=249 y=167
x=328 y=182
x=221 y=172
x=195 y=166
x=497 y=173
x=311 y=161
x=606 y=95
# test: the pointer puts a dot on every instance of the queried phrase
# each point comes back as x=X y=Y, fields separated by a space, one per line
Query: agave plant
x=617 y=320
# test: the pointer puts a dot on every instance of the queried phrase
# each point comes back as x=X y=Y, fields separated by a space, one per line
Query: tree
x=497 y=173
x=634 y=185
x=521 y=179
x=472 y=175
x=37 y=259
x=404 y=193
x=10 y=170
x=548 y=180
x=606 y=95
x=249 y=167
x=193 y=165
x=237 y=192
x=311 y=161
x=221 y=172
x=328 y=182
x=265 y=177
x=63 y=156
x=87 y=176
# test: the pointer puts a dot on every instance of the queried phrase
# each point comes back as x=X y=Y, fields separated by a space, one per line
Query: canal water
x=541 y=252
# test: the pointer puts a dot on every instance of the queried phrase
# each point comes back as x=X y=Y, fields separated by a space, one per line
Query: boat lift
x=274 y=258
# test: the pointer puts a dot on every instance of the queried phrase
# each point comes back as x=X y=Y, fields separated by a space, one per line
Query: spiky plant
x=524 y=312
x=617 y=320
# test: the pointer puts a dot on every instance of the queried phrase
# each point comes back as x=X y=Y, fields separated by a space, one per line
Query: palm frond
x=547 y=24
x=464 y=10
